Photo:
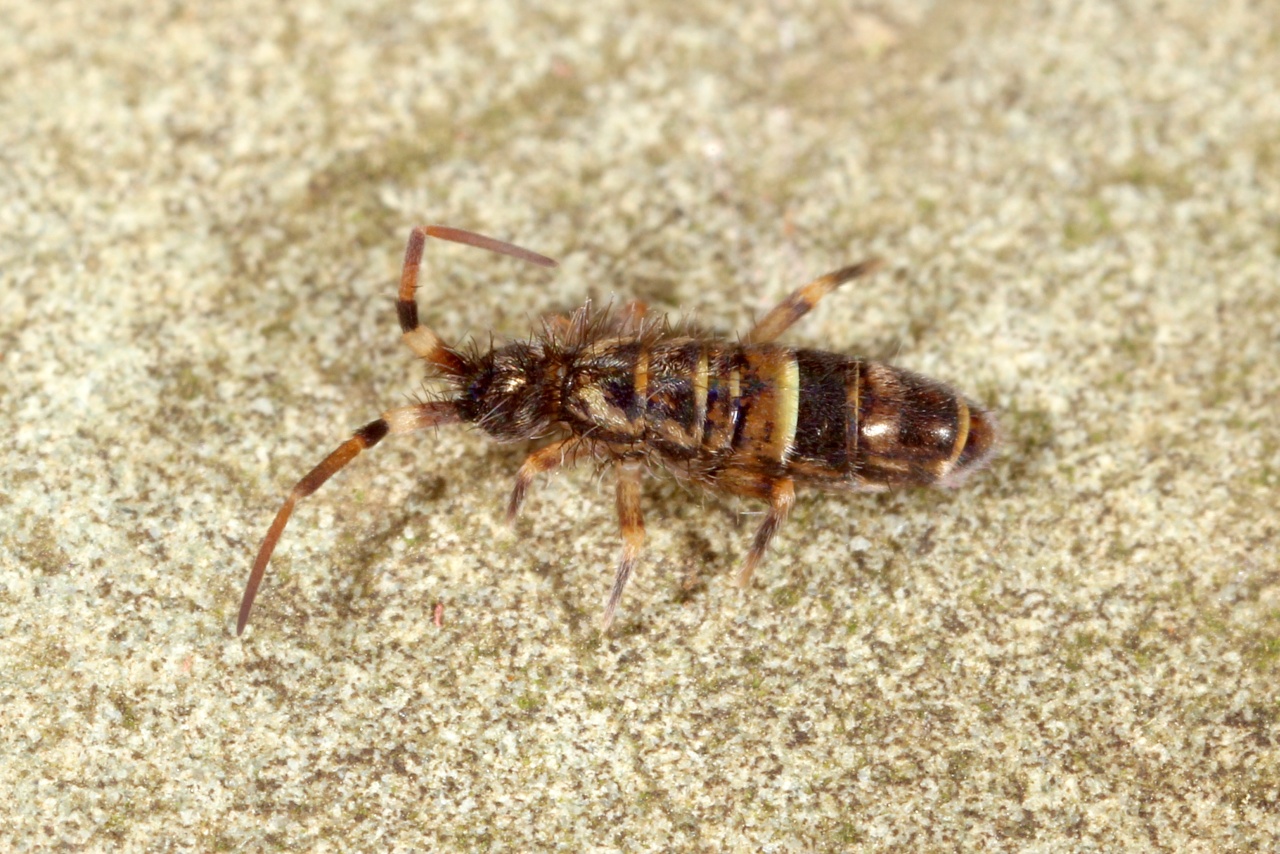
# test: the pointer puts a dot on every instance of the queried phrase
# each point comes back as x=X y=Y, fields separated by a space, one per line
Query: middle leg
x=631 y=521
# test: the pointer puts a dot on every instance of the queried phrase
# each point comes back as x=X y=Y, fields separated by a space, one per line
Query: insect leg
x=558 y=453
x=420 y=339
x=781 y=497
x=404 y=419
x=632 y=523
x=803 y=299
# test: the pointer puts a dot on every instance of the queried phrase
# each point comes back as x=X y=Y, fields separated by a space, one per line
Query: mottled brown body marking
x=755 y=418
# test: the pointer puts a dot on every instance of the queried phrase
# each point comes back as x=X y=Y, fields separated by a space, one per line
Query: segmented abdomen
x=738 y=417
x=883 y=427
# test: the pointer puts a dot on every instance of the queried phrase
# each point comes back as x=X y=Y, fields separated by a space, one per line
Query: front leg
x=559 y=453
x=631 y=522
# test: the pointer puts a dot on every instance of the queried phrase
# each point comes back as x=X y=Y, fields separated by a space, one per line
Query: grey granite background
x=202 y=212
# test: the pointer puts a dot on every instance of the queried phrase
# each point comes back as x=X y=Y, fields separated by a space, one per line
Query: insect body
x=750 y=418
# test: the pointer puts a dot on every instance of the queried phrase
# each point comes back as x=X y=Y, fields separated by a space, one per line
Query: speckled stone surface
x=202 y=210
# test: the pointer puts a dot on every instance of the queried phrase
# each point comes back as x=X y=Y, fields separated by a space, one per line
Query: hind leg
x=782 y=496
x=803 y=299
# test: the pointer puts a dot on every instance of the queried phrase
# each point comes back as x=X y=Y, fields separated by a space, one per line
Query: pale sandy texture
x=201 y=212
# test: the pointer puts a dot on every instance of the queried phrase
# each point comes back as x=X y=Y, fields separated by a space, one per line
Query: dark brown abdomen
x=912 y=430
x=740 y=417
